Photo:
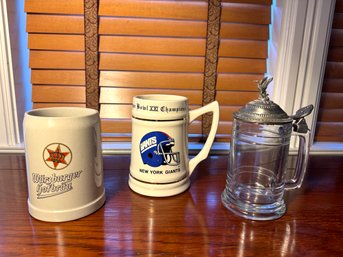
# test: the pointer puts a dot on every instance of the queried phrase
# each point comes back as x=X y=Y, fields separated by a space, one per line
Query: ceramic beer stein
x=159 y=154
x=63 y=163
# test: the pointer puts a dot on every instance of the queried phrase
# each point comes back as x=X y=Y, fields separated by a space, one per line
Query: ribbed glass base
x=253 y=211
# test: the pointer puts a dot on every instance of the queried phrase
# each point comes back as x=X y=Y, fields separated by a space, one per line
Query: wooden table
x=194 y=223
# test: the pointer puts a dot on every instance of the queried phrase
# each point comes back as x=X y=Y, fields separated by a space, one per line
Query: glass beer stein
x=257 y=178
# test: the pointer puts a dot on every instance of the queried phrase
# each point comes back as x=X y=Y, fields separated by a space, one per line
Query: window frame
x=9 y=126
x=298 y=58
x=297 y=27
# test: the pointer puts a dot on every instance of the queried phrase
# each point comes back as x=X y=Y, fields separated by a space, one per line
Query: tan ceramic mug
x=63 y=163
x=160 y=165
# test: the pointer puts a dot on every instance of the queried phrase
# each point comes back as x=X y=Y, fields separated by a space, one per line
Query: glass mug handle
x=302 y=159
x=214 y=108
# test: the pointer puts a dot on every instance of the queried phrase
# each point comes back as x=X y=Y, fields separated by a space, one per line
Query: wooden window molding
x=9 y=128
x=298 y=50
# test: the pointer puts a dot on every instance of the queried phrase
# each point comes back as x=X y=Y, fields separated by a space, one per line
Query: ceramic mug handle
x=214 y=108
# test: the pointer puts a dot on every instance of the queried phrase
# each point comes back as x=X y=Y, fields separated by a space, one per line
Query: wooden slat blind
x=330 y=116
x=243 y=51
x=147 y=47
x=56 y=42
x=146 y=59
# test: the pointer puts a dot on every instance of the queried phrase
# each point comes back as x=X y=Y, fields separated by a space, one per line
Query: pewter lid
x=263 y=110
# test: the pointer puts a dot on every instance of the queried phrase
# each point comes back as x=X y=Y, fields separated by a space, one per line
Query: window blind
x=242 y=55
x=330 y=117
x=148 y=47
x=140 y=59
x=56 y=43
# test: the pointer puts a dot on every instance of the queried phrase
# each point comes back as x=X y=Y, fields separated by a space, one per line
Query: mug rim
x=61 y=112
x=159 y=107
x=161 y=97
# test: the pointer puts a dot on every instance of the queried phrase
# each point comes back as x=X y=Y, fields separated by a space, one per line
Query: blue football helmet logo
x=156 y=149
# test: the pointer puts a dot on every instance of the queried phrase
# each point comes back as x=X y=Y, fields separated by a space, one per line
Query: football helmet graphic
x=156 y=149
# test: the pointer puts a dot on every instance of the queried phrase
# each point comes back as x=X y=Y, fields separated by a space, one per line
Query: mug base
x=253 y=211
x=67 y=215
x=159 y=190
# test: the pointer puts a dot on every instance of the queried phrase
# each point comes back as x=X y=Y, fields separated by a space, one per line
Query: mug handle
x=214 y=108
x=302 y=159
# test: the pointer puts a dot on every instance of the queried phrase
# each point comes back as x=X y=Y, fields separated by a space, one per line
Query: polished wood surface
x=194 y=223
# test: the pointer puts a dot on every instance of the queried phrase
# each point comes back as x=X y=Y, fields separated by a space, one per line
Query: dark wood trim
x=91 y=53
x=211 y=60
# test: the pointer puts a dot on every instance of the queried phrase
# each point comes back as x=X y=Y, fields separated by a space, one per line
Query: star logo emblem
x=57 y=156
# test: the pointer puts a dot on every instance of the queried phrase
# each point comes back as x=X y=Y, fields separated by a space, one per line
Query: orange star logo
x=57 y=156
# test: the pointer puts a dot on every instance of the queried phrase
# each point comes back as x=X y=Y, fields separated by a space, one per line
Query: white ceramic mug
x=159 y=155
x=63 y=163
